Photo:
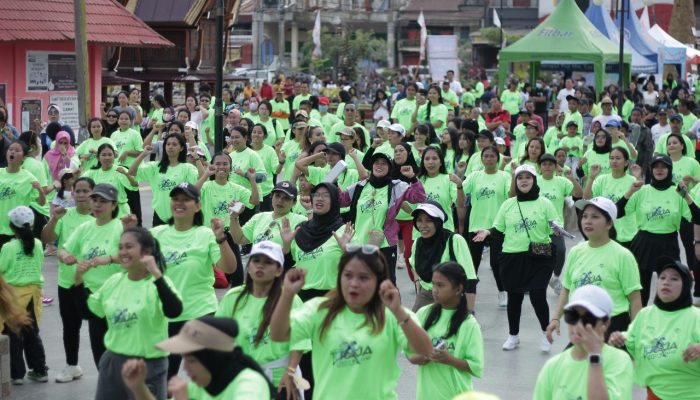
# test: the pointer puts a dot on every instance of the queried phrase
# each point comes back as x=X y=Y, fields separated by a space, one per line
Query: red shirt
x=536 y=118
x=266 y=91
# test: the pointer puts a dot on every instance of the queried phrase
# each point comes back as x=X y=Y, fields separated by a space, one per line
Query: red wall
x=13 y=74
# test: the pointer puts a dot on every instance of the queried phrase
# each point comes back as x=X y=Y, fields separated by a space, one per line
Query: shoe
x=18 y=382
x=38 y=377
x=545 y=346
x=502 y=299
x=555 y=284
x=45 y=300
x=511 y=343
x=69 y=373
x=50 y=251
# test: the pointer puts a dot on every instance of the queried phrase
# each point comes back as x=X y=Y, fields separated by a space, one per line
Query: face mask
x=253 y=106
x=323 y=108
x=579 y=83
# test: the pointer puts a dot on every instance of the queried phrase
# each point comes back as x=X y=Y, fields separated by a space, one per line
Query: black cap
x=676 y=117
x=572 y=122
x=546 y=157
x=485 y=134
x=571 y=97
x=663 y=158
x=106 y=191
x=662 y=111
x=337 y=148
x=379 y=155
x=187 y=189
x=287 y=188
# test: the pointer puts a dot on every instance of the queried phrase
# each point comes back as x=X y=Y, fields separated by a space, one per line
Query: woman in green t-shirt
x=270 y=158
x=87 y=151
x=440 y=186
x=137 y=304
x=433 y=112
x=602 y=262
x=356 y=331
x=129 y=144
x=599 y=154
x=456 y=337
x=106 y=171
x=664 y=339
x=21 y=260
x=450 y=149
x=521 y=270
x=464 y=152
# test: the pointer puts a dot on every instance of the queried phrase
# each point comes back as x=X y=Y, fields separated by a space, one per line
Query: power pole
x=81 y=64
x=621 y=68
x=218 y=105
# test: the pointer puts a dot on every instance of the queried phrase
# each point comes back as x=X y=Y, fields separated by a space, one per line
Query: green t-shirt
x=128 y=140
x=486 y=193
x=596 y=158
x=658 y=211
x=551 y=138
x=656 y=339
x=685 y=166
x=162 y=184
x=91 y=144
x=351 y=162
x=372 y=207
x=440 y=381
x=20 y=269
x=215 y=200
x=569 y=116
x=661 y=144
x=40 y=170
x=298 y=99
x=116 y=179
x=248 y=315
x=462 y=255
x=270 y=160
x=316 y=174
x=190 y=256
x=556 y=190
x=450 y=97
x=247 y=385
x=264 y=227
x=90 y=240
x=64 y=228
x=627 y=108
x=15 y=190
x=349 y=354
x=246 y=159
x=614 y=189
x=328 y=121
x=157 y=115
x=292 y=151
x=280 y=112
x=437 y=113
x=274 y=131
x=571 y=142
x=443 y=191
x=611 y=267
x=134 y=314
x=385 y=148
x=511 y=101
x=534 y=221
x=403 y=111
x=562 y=377
x=688 y=122
x=475 y=164
x=321 y=263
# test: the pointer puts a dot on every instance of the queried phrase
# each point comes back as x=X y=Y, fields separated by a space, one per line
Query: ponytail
x=455 y=274
x=26 y=235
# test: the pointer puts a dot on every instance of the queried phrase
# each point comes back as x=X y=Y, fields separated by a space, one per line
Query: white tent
x=667 y=40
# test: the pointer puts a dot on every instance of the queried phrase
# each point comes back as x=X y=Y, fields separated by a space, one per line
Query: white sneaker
x=511 y=343
x=17 y=382
x=502 y=299
x=545 y=346
x=69 y=373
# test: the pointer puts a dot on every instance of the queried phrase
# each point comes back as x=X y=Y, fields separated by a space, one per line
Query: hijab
x=410 y=160
x=314 y=233
x=534 y=192
x=685 y=299
x=429 y=250
x=607 y=147
x=665 y=183
x=57 y=161
x=380 y=182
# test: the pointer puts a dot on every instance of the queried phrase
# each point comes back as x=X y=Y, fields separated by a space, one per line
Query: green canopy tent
x=566 y=35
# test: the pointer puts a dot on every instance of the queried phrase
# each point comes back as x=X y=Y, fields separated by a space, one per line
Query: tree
x=344 y=50
x=682 y=20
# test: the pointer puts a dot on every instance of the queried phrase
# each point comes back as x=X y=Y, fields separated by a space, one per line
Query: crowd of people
x=308 y=214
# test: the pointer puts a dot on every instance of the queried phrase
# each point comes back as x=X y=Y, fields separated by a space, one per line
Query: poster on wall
x=31 y=115
x=50 y=71
x=69 y=109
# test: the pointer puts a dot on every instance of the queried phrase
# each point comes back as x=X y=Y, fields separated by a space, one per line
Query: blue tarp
x=601 y=19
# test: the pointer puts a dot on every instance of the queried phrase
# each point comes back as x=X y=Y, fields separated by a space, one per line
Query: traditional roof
x=108 y=23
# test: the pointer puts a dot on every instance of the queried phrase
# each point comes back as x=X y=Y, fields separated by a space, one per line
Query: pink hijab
x=55 y=159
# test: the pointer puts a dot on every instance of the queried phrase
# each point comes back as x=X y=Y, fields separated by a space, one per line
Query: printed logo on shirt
x=221 y=208
x=311 y=255
x=263 y=341
x=94 y=252
x=7 y=193
x=660 y=348
x=350 y=354
x=173 y=258
x=589 y=279
x=370 y=205
x=21 y=256
x=525 y=224
x=449 y=346
x=485 y=193
x=658 y=213
x=166 y=184
x=433 y=197
x=122 y=319
x=614 y=198
x=119 y=145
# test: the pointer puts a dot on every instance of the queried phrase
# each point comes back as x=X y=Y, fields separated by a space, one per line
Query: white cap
x=52 y=105
x=526 y=168
x=384 y=124
x=65 y=171
x=603 y=203
x=192 y=124
x=430 y=209
x=593 y=298
x=21 y=215
x=499 y=140
x=398 y=128
x=270 y=249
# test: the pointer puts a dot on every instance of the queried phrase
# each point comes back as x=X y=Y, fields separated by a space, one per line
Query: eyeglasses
x=53 y=112
x=324 y=196
x=365 y=248
x=572 y=317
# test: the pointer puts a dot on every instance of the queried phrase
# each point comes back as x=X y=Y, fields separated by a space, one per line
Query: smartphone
x=236 y=208
x=682 y=190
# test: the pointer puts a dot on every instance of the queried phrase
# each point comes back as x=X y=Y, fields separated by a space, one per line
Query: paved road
x=511 y=375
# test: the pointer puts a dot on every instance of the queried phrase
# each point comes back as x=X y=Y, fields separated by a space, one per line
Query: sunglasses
x=111 y=116
x=367 y=249
x=572 y=317
x=54 y=112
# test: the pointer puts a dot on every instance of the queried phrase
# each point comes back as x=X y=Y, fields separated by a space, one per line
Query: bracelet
x=459 y=187
x=220 y=241
x=404 y=322
x=291 y=369
x=554 y=319
x=281 y=162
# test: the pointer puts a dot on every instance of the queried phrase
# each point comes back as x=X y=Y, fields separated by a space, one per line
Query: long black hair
x=454 y=142
x=625 y=154
x=455 y=274
x=103 y=146
x=26 y=236
x=181 y=156
x=149 y=245
x=423 y=171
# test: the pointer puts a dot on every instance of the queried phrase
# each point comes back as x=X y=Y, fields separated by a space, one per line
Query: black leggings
x=26 y=343
x=133 y=198
x=68 y=307
x=477 y=249
x=390 y=255
x=236 y=278
x=645 y=276
x=538 y=299
x=97 y=328
x=40 y=221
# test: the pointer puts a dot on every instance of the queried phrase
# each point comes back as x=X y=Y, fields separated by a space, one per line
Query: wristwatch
x=594 y=359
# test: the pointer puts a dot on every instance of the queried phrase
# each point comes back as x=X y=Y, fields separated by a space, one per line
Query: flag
x=496 y=20
x=316 y=35
x=423 y=34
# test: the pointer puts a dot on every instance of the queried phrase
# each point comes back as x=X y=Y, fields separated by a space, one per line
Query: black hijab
x=225 y=366
x=665 y=183
x=534 y=192
x=607 y=147
x=429 y=250
x=380 y=182
x=685 y=299
x=410 y=160
x=314 y=233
